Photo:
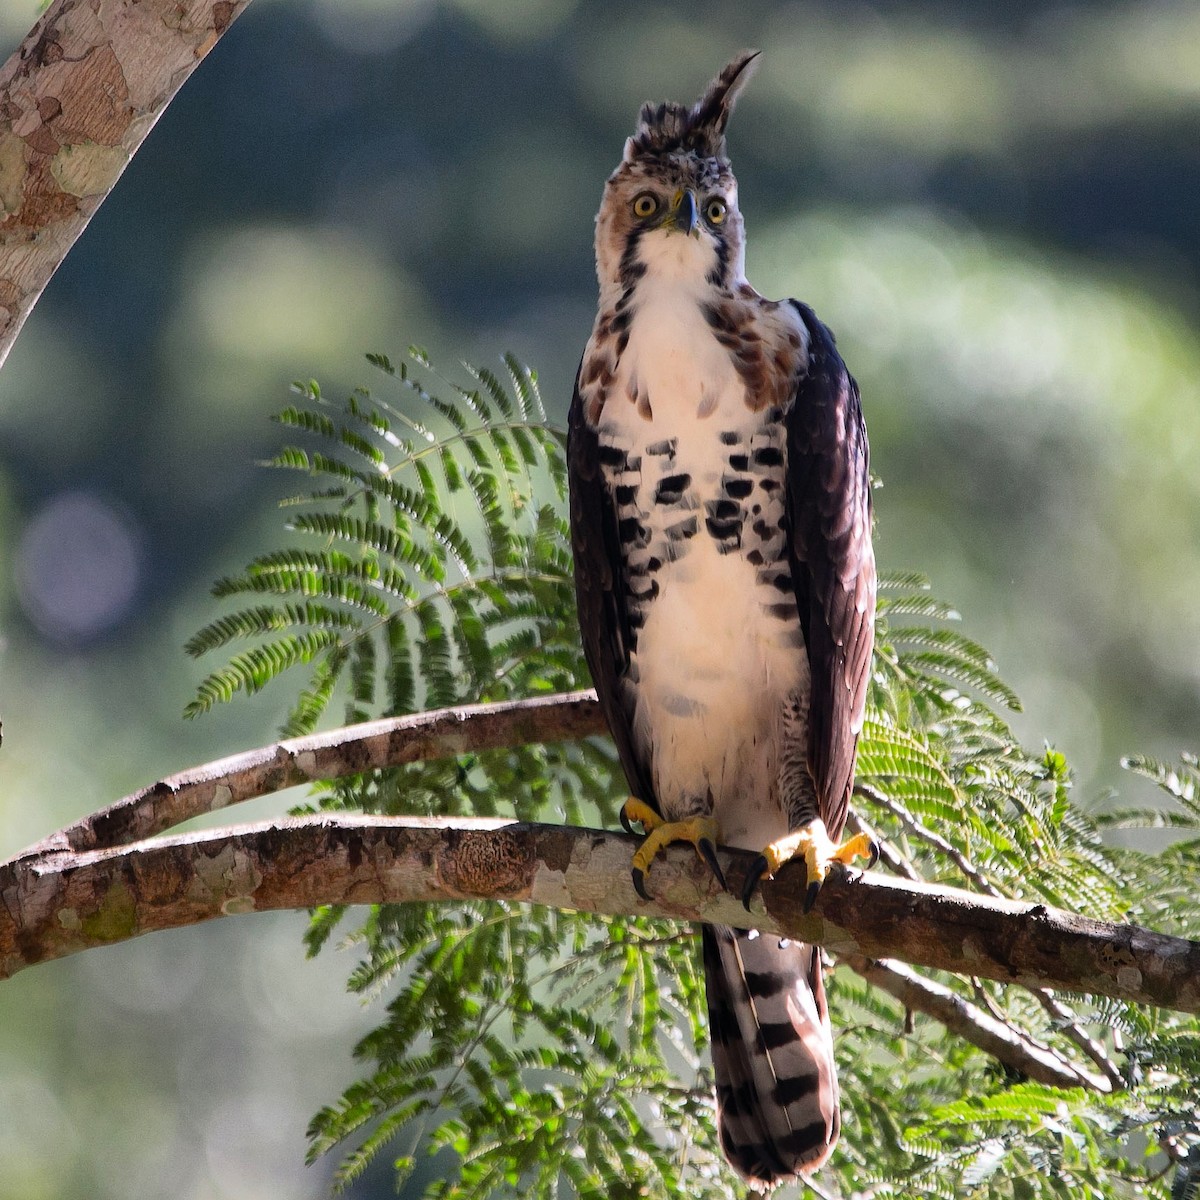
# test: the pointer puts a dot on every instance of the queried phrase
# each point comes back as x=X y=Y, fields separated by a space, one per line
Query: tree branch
x=1068 y=1025
x=998 y=1038
x=1010 y=1044
x=83 y=887
x=65 y=902
x=77 y=99
x=352 y=750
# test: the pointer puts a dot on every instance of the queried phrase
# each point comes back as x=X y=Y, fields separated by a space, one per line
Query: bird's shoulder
x=768 y=341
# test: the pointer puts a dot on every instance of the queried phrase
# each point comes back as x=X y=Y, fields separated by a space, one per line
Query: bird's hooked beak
x=684 y=213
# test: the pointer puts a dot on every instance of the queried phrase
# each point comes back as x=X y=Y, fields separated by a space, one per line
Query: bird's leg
x=819 y=851
x=702 y=832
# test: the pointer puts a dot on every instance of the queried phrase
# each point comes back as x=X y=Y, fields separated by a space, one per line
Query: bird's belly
x=715 y=668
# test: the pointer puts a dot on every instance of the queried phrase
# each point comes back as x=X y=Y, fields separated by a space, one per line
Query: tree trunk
x=76 y=101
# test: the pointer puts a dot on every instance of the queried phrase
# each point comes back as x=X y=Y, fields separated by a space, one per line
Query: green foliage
x=435 y=567
x=518 y=1039
x=549 y=1054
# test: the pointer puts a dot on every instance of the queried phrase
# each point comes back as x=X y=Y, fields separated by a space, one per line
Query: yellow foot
x=638 y=810
x=819 y=852
x=702 y=832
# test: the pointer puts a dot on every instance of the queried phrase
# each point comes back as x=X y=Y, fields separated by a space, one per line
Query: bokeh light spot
x=78 y=564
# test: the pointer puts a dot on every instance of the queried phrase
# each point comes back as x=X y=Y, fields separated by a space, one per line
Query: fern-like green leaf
x=389 y=556
x=253 y=669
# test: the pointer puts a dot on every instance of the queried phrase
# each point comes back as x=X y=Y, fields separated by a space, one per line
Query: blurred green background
x=995 y=208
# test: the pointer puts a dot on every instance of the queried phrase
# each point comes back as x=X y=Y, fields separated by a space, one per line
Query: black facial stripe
x=720 y=269
x=631 y=268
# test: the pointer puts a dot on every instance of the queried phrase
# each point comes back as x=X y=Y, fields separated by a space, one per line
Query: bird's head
x=670 y=208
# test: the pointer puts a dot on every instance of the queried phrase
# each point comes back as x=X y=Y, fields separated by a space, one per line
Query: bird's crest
x=700 y=129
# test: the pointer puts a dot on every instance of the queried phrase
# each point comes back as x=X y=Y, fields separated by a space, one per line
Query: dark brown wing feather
x=600 y=590
x=833 y=564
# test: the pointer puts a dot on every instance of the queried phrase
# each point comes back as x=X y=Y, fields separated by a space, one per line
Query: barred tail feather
x=772 y=1048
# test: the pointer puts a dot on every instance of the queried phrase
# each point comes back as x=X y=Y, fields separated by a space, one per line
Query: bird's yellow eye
x=645 y=205
x=714 y=211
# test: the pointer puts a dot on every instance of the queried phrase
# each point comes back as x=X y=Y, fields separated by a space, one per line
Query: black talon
x=874 y=858
x=639 y=883
x=626 y=824
x=709 y=852
x=758 y=868
x=810 y=896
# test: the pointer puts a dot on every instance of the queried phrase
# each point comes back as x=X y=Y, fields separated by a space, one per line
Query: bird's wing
x=833 y=564
x=600 y=588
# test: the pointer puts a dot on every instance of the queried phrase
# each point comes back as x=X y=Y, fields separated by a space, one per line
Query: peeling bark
x=65 y=902
x=77 y=99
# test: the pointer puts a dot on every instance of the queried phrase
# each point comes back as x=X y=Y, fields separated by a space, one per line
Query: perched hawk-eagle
x=721 y=520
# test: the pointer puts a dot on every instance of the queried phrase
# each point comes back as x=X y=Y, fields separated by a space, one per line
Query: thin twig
x=973 y=1030
x=1067 y=1022
x=939 y=843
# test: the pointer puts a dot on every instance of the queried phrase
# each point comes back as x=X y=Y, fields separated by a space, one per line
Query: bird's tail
x=772 y=1048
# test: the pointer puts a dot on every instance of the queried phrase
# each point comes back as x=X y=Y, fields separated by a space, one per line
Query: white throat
x=679 y=259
